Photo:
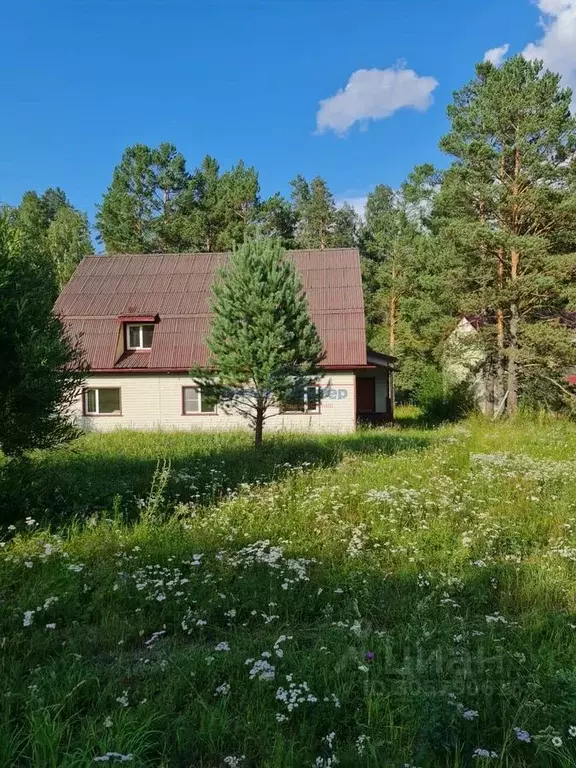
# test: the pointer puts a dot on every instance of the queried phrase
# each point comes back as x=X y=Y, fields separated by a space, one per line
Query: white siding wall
x=155 y=402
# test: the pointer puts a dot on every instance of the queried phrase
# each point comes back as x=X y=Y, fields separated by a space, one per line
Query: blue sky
x=80 y=80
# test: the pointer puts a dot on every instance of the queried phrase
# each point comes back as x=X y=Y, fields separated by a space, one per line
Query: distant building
x=143 y=319
x=464 y=357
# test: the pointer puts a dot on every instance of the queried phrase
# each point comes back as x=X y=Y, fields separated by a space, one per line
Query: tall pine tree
x=140 y=206
x=510 y=206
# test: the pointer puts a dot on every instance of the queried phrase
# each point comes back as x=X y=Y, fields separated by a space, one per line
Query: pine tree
x=42 y=368
x=346 y=227
x=238 y=190
x=264 y=347
x=32 y=221
x=411 y=277
x=276 y=219
x=141 y=204
x=52 y=200
x=315 y=211
x=202 y=217
x=68 y=241
x=382 y=247
x=510 y=205
x=53 y=231
x=217 y=210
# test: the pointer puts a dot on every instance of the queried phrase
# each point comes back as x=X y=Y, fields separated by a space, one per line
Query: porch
x=375 y=390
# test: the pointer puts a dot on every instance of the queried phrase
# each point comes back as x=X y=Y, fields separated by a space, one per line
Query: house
x=464 y=355
x=143 y=319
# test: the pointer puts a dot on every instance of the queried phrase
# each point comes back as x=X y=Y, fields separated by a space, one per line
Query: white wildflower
x=485 y=753
x=232 y=761
x=522 y=735
x=329 y=739
x=123 y=700
x=28 y=618
x=262 y=670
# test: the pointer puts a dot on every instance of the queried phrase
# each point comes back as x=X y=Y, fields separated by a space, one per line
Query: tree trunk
x=500 y=387
x=393 y=308
x=513 y=342
x=259 y=427
x=512 y=363
x=489 y=387
x=514 y=262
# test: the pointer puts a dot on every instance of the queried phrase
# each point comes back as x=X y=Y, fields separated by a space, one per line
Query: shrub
x=442 y=400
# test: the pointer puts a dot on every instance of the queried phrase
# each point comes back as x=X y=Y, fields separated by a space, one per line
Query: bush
x=442 y=400
x=42 y=367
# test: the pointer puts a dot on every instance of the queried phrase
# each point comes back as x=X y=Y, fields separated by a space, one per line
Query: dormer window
x=139 y=335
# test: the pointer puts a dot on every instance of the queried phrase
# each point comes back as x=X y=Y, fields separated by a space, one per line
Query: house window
x=139 y=336
x=193 y=401
x=103 y=401
x=305 y=401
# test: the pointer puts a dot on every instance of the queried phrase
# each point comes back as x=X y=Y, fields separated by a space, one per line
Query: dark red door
x=365 y=395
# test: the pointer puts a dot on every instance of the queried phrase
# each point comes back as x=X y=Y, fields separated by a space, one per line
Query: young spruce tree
x=264 y=348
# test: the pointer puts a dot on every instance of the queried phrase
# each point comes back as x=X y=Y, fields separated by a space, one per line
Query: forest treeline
x=492 y=235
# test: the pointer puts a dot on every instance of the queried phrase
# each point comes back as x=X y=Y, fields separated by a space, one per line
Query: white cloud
x=496 y=55
x=373 y=94
x=557 y=46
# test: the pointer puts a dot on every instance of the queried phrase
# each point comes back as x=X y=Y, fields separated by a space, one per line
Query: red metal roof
x=176 y=288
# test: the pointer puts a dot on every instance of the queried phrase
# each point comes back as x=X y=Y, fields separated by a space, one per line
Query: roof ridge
x=211 y=253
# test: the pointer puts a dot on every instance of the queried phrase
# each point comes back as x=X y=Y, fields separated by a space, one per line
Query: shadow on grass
x=113 y=472
x=417 y=673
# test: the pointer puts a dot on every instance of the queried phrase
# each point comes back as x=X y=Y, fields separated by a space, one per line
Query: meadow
x=403 y=597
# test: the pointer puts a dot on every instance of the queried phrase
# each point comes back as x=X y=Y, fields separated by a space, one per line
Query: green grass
x=411 y=592
x=114 y=471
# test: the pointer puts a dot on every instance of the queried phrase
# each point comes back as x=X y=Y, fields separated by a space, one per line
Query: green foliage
x=262 y=342
x=277 y=219
x=319 y=223
x=42 y=368
x=154 y=205
x=508 y=204
x=441 y=400
x=68 y=241
x=140 y=203
x=52 y=231
x=410 y=277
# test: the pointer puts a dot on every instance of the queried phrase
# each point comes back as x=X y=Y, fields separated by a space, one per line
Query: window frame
x=92 y=414
x=140 y=326
x=305 y=412
x=199 y=412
